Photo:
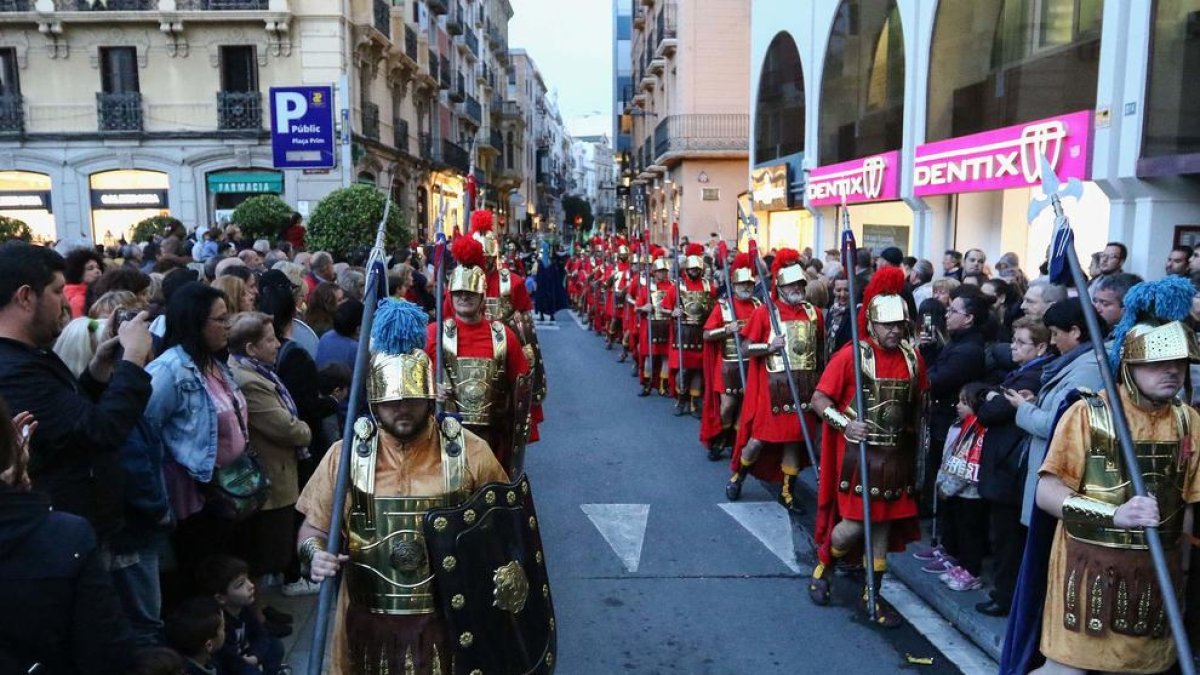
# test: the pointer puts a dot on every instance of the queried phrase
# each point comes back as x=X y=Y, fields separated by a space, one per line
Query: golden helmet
x=661 y=264
x=742 y=275
x=1172 y=341
x=465 y=278
x=399 y=377
x=887 y=309
x=622 y=251
x=790 y=275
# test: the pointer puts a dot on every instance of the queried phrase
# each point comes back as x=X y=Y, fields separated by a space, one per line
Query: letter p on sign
x=290 y=106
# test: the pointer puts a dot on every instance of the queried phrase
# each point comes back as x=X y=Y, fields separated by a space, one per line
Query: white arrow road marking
x=770 y=524
x=623 y=526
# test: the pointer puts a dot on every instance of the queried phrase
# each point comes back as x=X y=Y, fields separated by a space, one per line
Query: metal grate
x=239 y=110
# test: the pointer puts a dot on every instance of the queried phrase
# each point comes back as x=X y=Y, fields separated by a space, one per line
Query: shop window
x=862 y=86
x=239 y=68
x=996 y=63
x=779 y=112
x=1172 y=116
x=10 y=83
x=119 y=70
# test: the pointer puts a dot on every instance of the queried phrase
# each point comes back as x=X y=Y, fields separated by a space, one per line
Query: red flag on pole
x=722 y=252
x=675 y=234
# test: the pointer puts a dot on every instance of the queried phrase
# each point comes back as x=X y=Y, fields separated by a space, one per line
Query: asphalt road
x=652 y=570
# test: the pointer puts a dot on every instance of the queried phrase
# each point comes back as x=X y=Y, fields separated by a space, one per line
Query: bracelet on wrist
x=308 y=550
x=835 y=419
x=1088 y=511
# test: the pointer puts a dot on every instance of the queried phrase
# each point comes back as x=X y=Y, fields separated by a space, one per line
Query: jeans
x=138 y=588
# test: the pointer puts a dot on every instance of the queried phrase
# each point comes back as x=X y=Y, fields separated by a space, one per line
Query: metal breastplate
x=890 y=402
x=1105 y=478
x=696 y=305
x=500 y=308
x=390 y=571
x=620 y=282
x=478 y=395
x=656 y=302
x=801 y=344
x=729 y=350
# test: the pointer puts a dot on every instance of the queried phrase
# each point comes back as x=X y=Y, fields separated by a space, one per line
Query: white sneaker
x=302 y=587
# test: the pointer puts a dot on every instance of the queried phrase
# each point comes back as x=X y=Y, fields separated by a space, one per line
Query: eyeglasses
x=952 y=310
x=226 y=320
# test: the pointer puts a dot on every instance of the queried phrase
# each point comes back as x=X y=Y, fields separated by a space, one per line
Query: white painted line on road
x=770 y=524
x=546 y=325
x=578 y=321
x=953 y=644
x=623 y=526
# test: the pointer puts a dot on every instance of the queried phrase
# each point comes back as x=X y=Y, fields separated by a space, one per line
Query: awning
x=239 y=182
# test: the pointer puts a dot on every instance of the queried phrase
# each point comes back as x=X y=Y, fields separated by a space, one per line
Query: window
x=1172 y=116
x=508 y=151
x=992 y=62
x=239 y=68
x=119 y=70
x=779 y=115
x=862 y=87
x=10 y=84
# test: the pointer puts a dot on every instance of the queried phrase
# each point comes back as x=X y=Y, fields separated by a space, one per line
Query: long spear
x=849 y=255
x=679 y=377
x=374 y=291
x=773 y=313
x=439 y=273
x=723 y=257
x=1063 y=246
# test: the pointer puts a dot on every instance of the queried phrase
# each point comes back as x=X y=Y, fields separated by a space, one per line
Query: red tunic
x=714 y=383
x=613 y=311
x=692 y=358
x=837 y=382
x=475 y=341
x=643 y=298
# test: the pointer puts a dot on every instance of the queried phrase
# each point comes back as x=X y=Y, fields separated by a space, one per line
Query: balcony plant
x=12 y=229
x=345 y=221
x=154 y=227
x=262 y=217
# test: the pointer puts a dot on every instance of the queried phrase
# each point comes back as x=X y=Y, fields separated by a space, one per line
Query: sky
x=571 y=43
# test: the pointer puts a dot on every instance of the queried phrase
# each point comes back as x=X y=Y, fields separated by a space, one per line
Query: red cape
x=710 y=419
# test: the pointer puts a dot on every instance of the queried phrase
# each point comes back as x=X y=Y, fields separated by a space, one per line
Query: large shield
x=490 y=581
x=521 y=404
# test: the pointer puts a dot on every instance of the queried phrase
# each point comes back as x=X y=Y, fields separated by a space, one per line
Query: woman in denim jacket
x=199 y=417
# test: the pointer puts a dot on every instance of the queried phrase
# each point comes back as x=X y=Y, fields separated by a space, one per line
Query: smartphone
x=124 y=315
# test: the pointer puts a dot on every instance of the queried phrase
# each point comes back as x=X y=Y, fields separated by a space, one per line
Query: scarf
x=1063 y=361
x=268 y=371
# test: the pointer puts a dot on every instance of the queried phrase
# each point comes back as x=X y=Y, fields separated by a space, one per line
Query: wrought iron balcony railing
x=425 y=146
x=370 y=120
x=474 y=110
x=107 y=5
x=445 y=77
x=438 y=6
x=383 y=17
x=455 y=156
x=239 y=110
x=472 y=42
x=701 y=133
x=227 y=5
x=410 y=43
x=119 y=112
x=16 y=5
x=400 y=134
x=12 y=114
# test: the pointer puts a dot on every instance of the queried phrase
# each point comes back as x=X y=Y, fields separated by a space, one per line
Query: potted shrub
x=346 y=220
x=262 y=217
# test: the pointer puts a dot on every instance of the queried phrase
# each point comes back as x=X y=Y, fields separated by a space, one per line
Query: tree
x=346 y=220
x=154 y=226
x=13 y=229
x=262 y=217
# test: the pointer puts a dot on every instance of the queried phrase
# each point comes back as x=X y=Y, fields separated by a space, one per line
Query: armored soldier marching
x=722 y=363
x=690 y=300
x=893 y=376
x=655 y=327
x=769 y=438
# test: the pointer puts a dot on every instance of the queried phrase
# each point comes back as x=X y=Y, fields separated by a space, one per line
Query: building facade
x=546 y=158
x=115 y=110
x=689 y=131
x=594 y=178
x=929 y=118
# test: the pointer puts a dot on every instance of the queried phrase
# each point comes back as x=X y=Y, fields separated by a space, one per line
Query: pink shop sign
x=1005 y=158
x=868 y=179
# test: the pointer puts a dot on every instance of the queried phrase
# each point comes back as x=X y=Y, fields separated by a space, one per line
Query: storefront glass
x=862 y=85
x=228 y=189
x=779 y=111
x=121 y=199
x=1172 y=117
x=1043 y=60
x=25 y=196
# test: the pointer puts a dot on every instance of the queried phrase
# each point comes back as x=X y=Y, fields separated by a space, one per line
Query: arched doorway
x=779 y=108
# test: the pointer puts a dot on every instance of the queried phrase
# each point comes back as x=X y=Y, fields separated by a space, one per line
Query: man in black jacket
x=82 y=423
x=958 y=362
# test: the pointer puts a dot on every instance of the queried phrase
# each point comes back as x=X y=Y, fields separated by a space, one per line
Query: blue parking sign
x=302 y=128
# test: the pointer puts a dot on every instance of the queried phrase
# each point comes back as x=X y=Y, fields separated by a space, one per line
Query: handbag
x=239 y=489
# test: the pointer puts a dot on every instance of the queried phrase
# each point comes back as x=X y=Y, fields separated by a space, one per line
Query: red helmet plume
x=741 y=261
x=482 y=221
x=783 y=258
x=467 y=251
x=887 y=281
x=694 y=249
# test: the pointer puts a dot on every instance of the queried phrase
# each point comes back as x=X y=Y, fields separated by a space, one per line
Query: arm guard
x=835 y=419
x=756 y=349
x=1088 y=511
x=309 y=548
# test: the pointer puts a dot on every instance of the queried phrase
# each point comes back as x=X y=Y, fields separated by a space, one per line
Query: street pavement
x=653 y=571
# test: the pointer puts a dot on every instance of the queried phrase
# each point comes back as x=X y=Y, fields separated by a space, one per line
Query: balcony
x=458 y=93
x=16 y=6
x=400 y=134
x=383 y=17
x=666 y=31
x=511 y=110
x=239 y=110
x=12 y=114
x=482 y=76
x=496 y=37
x=472 y=42
x=228 y=5
x=455 y=156
x=474 y=110
x=425 y=147
x=648 y=3
x=639 y=20
x=438 y=6
x=410 y=44
x=119 y=112
x=444 y=77
x=657 y=65
x=370 y=120
x=710 y=135
x=110 y=5
x=647 y=81
x=454 y=23
x=492 y=142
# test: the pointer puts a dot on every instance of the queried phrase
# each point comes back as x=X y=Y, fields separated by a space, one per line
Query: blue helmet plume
x=1157 y=302
x=399 y=327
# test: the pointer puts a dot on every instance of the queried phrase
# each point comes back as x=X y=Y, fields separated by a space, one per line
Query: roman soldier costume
x=618 y=289
x=768 y=415
x=893 y=382
x=695 y=296
x=485 y=366
x=1103 y=607
x=655 y=325
x=722 y=373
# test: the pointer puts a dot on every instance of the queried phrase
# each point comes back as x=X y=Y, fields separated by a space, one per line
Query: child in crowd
x=196 y=629
x=248 y=649
x=334 y=382
x=963 y=512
